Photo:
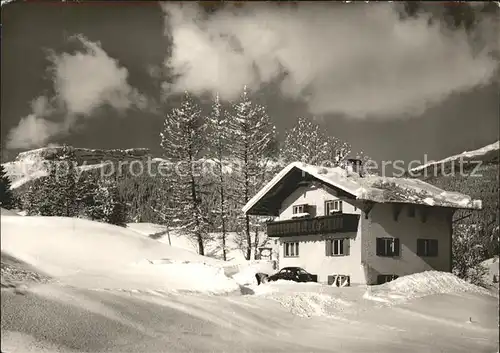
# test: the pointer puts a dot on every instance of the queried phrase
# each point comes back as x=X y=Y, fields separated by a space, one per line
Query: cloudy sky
x=103 y=75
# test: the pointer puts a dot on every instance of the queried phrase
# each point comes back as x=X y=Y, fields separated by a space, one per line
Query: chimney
x=355 y=165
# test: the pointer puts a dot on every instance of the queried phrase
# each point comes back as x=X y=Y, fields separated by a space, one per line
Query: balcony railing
x=318 y=225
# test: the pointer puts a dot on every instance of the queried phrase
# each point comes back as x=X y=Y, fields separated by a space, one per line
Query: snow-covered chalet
x=347 y=228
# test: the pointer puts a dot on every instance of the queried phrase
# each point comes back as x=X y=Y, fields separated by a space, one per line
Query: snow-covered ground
x=116 y=290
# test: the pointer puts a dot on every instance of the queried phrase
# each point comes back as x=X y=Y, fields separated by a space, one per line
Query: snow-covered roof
x=373 y=188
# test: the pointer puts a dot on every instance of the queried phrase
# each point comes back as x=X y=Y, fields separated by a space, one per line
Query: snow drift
x=420 y=285
x=96 y=255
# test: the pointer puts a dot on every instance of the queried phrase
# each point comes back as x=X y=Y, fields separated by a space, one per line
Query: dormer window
x=297 y=209
x=333 y=206
x=301 y=211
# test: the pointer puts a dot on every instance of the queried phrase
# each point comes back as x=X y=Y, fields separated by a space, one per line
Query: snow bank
x=183 y=276
x=282 y=286
x=303 y=299
x=310 y=304
x=8 y=212
x=97 y=255
x=244 y=274
x=420 y=285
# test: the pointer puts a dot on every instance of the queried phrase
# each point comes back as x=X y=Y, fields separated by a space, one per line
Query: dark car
x=296 y=274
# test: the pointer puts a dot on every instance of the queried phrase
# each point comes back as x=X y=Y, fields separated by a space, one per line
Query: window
x=339 y=280
x=427 y=247
x=387 y=247
x=337 y=247
x=299 y=209
x=333 y=206
x=381 y=279
x=411 y=211
x=291 y=249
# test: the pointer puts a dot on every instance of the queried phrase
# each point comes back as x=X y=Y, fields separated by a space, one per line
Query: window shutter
x=297 y=249
x=347 y=245
x=396 y=247
x=340 y=206
x=379 y=245
x=330 y=280
x=284 y=249
x=434 y=247
x=420 y=247
x=328 y=247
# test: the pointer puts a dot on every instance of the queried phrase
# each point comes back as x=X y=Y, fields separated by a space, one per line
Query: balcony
x=336 y=223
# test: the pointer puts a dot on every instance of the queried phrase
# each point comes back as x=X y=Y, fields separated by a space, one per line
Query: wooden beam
x=367 y=207
x=423 y=213
x=396 y=210
x=464 y=217
x=449 y=221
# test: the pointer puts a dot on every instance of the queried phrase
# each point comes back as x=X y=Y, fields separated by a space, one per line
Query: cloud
x=83 y=82
x=87 y=80
x=361 y=60
x=32 y=131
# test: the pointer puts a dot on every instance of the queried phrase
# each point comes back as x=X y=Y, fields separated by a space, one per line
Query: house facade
x=353 y=230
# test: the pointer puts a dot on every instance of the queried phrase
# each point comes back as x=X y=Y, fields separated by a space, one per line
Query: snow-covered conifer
x=107 y=205
x=219 y=146
x=6 y=195
x=307 y=142
x=183 y=139
x=252 y=141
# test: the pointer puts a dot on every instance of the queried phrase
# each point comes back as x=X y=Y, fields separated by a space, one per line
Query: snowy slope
x=22 y=172
x=97 y=255
x=466 y=155
x=33 y=164
x=181 y=240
